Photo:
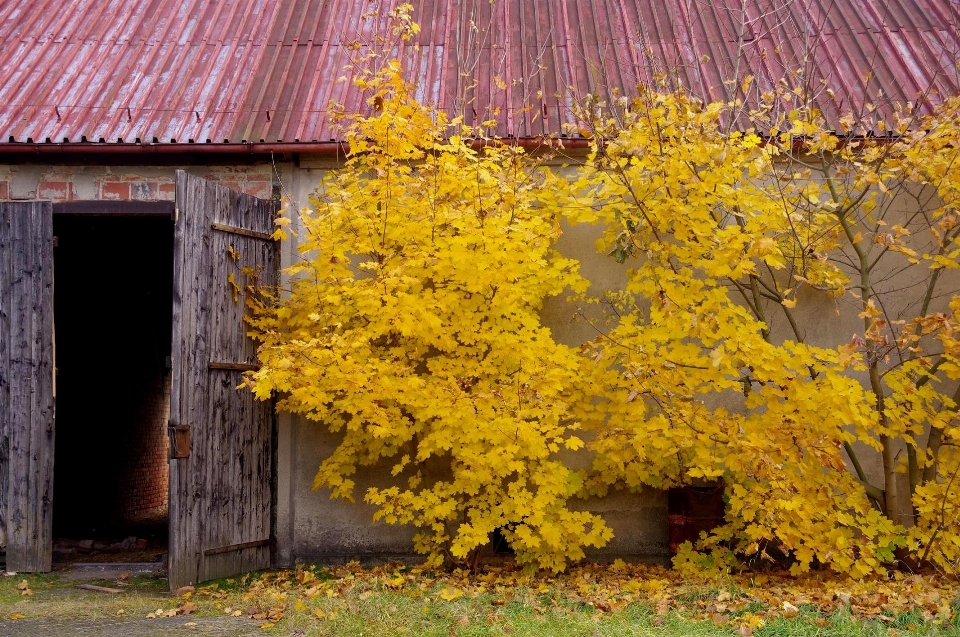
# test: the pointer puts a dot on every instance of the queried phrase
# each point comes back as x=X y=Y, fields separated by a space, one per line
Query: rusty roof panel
x=251 y=70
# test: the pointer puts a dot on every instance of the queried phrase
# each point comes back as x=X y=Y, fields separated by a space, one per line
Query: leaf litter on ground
x=742 y=603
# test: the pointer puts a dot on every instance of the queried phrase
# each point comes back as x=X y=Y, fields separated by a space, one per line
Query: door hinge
x=179 y=441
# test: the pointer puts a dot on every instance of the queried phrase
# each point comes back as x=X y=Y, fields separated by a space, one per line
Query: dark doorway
x=113 y=279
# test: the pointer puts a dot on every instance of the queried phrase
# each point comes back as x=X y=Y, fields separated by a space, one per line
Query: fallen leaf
x=17 y=616
x=789 y=610
x=184 y=589
x=449 y=593
x=188 y=607
x=267 y=625
x=190 y=624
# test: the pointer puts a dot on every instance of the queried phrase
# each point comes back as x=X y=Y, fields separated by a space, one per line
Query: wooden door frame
x=97 y=208
x=119 y=208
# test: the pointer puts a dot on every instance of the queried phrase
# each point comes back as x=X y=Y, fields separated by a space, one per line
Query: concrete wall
x=312 y=527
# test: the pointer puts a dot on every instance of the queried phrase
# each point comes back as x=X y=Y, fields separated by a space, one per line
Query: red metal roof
x=266 y=70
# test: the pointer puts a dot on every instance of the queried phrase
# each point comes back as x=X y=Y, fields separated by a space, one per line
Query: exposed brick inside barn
x=112 y=293
x=143 y=455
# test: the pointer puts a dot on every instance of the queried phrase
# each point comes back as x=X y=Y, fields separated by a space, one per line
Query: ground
x=592 y=601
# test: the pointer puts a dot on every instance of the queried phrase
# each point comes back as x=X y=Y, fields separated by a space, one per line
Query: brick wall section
x=118 y=183
x=143 y=455
x=252 y=180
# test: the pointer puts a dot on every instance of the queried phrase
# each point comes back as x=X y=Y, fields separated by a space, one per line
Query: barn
x=144 y=151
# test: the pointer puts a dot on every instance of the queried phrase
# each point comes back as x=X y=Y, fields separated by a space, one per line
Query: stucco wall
x=311 y=526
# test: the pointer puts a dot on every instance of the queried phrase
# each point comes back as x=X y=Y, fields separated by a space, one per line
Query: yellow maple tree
x=730 y=234
x=412 y=328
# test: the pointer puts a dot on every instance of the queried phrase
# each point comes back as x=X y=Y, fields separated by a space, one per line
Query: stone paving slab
x=161 y=627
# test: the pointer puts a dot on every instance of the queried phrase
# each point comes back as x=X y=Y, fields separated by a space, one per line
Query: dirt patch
x=198 y=627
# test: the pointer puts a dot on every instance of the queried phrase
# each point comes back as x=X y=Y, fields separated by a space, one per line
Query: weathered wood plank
x=221 y=496
x=238 y=547
x=235 y=367
x=100 y=589
x=6 y=270
x=29 y=396
x=242 y=231
x=125 y=208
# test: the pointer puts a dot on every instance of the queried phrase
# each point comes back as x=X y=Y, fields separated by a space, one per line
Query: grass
x=588 y=602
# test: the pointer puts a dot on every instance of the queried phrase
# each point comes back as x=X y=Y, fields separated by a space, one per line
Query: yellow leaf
x=450 y=593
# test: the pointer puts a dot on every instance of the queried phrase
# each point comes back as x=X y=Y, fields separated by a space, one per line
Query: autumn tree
x=412 y=329
x=740 y=239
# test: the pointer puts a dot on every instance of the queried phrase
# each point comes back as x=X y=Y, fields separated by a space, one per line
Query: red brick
x=167 y=191
x=55 y=190
x=4 y=190
x=114 y=190
x=259 y=189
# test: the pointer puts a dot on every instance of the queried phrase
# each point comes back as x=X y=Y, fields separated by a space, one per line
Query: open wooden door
x=221 y=438
x=26 y=384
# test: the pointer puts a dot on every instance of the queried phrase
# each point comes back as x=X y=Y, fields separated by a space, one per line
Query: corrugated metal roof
x=252 y=70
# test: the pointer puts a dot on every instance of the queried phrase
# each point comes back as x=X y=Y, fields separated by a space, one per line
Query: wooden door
x=221 y=438
x=26 y=384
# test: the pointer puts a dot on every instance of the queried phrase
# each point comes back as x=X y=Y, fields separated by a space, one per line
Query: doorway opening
x=113 y=278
